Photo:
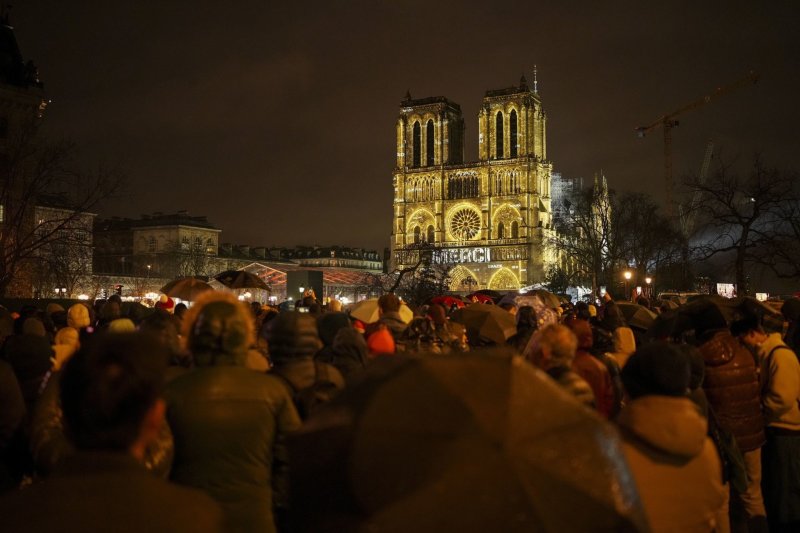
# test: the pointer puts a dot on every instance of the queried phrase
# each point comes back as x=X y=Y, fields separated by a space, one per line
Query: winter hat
x=121 y=325
x=165 y=302
x=381 y=342
x=218 y=326
x=78 y=316
x=67 y=336
x=33 y=326
x=658 y=368
x=292 y=335
x=66 y=344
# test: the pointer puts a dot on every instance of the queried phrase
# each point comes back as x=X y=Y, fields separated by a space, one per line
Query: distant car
x=679 y=298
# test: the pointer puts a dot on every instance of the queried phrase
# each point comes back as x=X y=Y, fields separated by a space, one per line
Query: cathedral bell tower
x=511 y=124
x=430 y=132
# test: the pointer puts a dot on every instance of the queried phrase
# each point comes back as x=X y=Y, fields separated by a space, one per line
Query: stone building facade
x=490 y=218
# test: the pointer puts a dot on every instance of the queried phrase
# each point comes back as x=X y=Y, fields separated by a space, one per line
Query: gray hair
x=560 y=342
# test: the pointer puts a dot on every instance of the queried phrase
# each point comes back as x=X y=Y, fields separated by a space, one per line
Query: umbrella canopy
x=241 y=279
x=482 y=298
x=548 y=298
x=186 y=288
x=448 y=301
x=637 y=316
x=698 y=306
x=487 y=322
x=481 y=442
x=367 y=311
x=669 y=324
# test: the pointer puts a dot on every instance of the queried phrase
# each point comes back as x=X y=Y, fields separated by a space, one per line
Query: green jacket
x=228 y=424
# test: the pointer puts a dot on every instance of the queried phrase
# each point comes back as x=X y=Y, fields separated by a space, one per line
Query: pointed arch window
x=512 y=132
x=431 y=234
x=515 y=230
x=416 y=145
x=501 y=230
x=498 y=130
x=429 y=139
x=417 y=235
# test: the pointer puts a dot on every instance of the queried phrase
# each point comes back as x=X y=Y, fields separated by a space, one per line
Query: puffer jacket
x=228 y=423
x=731 y=386
x=674 y=463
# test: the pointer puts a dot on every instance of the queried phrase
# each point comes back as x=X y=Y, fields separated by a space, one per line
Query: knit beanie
x=78 y=316
x=165 y=302
x=381 y=342
x=658 y=368
x=292 y=335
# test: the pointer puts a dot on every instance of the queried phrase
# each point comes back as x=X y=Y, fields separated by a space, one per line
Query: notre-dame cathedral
x=490 y=218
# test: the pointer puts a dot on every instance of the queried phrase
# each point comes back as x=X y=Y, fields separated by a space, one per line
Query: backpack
x=308 y=399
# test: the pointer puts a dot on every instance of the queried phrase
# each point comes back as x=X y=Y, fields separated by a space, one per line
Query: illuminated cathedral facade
x=489 y=219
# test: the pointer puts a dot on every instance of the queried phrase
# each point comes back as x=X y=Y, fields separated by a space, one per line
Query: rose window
x=465 y=224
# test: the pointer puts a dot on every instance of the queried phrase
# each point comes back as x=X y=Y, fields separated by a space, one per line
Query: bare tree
x=740 y=214
x=33 y=167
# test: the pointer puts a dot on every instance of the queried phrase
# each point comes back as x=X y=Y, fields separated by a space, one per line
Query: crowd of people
x=177 y=419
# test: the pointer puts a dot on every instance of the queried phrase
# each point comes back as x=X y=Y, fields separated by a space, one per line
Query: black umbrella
x=241 y=279
x=637 y=316
x=479 y=442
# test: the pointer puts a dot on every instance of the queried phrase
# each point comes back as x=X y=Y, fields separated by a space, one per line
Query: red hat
x=381 y=342
x=165 y=302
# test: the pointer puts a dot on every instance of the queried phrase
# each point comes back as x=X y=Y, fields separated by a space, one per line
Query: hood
x=624 y=341
x=671 y=425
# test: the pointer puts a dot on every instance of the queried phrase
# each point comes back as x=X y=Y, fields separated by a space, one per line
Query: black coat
x=105 y=491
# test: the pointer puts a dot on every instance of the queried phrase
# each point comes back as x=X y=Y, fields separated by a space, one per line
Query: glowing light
x=83 y=297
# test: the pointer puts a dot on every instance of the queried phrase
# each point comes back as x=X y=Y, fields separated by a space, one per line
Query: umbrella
x=186 y=288
x=548 y=298
x=241 y=279
x=488 y=322
x=367 y=311
x=482 y=298
x=479 y=442
x=448 y=301
x=702 y=304
x=637 y=316
x=669 y=324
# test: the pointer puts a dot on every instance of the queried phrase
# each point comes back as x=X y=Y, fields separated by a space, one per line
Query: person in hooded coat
x=343 y=347
x=591 y=369
x=228 y=421
x=675 y=465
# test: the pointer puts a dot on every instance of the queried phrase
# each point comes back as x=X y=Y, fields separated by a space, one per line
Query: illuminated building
x=490 y=218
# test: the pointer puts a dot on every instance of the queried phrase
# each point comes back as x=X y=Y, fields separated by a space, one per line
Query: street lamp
x=627 y=275
x=648 y=280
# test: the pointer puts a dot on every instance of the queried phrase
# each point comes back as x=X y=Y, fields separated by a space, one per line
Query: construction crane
x=687 y=213
x=667 y=122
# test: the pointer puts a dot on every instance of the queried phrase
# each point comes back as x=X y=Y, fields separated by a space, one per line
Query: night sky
x=276 y=119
